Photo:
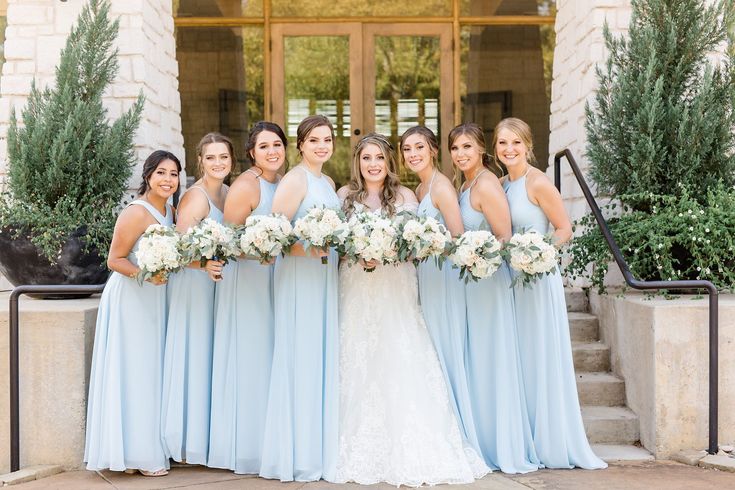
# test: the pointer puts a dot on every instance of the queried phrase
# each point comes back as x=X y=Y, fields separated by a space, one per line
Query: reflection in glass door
x=318 y=76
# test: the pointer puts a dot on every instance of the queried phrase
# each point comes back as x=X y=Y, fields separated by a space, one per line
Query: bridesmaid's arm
x=549 y=200
x=445 y=199
x=286 y=201
x=129 y=226
x=494 y=206
x=242 y=198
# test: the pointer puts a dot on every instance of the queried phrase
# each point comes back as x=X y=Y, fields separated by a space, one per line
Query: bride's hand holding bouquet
x=371 y=241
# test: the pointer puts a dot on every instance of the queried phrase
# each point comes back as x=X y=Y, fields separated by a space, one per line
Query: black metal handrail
x=646 y=285
x=13 y=327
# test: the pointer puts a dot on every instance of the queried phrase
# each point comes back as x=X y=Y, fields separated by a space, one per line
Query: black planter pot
x=22 y=263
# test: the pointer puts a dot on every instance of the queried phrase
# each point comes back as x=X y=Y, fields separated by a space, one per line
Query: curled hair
x=255 y=131
x=521 y=129
x=475 y=133
x=210 y=138
x=150 y=166
x=427 y=134
x=358 y=190
x=308 y=125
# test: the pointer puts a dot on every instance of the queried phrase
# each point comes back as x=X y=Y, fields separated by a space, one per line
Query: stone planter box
x=660 y=348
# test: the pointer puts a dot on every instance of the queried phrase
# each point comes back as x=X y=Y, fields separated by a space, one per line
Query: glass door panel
x=408 y=81
x=315 y=72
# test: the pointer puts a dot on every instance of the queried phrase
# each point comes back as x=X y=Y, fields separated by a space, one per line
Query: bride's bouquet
x=372 y=237
x=266 y=236
x=208 y=240
x=532 y=255
x=421 y=238
x=477 y=254
x=158 y=252
x=322 y=228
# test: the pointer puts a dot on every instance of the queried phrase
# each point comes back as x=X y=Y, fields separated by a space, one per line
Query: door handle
x=356 y=132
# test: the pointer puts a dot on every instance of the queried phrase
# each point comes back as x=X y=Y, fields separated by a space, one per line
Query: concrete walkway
x=624 y=476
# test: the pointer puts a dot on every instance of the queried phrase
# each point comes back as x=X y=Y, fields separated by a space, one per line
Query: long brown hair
x=477 y=135
x=357 y=189
x=427 y=134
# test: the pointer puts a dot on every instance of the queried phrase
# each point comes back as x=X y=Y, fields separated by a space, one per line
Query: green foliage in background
x=661 y=142
x=67 y=166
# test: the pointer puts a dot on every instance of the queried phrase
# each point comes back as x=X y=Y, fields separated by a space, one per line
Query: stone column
x=579 y=47
x=35 y=35
x=37 y=31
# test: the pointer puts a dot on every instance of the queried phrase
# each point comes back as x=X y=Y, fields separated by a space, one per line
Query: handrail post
x=631 y=281
x=14 y=349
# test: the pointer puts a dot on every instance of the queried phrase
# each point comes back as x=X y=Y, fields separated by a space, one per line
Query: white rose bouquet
x=208 y=240
x=158 y=252
x=422 y=238
x=372 y=237
x=266 y=236
x=532 y=255
x=322 y=228
x=477 y=254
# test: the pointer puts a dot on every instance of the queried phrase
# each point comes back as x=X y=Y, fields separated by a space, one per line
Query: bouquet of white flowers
x=372 y=237
x=158 y=252
x=266 y=236
x=322 y=228
x=208 y=240
x=477 y=254
x=531 y=255
x=421 y=238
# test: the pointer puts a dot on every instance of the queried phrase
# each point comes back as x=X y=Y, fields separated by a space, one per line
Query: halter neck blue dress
x=125 y=383
x=187 y=364
x=243 y=352
x=493 y=365
x=546 y=354
x=442 y=297
x=301 y=427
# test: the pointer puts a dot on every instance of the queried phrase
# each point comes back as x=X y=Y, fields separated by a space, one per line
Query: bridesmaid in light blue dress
x=188 y=360
x=441 y=292
x=541 y=315
x=493 y=365
x=124 y=407
x=301 y=428
x=243 y=334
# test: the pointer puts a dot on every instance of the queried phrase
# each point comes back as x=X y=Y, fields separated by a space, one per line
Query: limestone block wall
x=660 y=348
x=36 y=33
x=579 y=47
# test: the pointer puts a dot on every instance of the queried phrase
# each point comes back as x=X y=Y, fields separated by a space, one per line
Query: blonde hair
x=520 y=129
x=357 y=190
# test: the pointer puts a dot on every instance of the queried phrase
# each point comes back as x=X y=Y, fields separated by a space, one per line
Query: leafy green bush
x=67 y=166
x=681 y=237
x=661 y=141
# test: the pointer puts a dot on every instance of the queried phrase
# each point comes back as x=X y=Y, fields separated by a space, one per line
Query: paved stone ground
x=646 y=475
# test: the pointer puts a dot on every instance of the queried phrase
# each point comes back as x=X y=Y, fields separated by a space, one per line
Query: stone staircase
x=612 y=428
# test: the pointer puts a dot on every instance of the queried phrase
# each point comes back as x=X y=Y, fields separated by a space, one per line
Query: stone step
x=576 y=299
x=600 y=389
x=583 y=327
x=610 y=425
x=591 y=356
x=615 y=452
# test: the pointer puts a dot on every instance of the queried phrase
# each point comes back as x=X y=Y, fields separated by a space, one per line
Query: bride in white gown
x=396 y=423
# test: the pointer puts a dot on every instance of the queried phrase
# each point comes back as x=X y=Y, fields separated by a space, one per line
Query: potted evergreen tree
x=68 y=167
x=661 y=141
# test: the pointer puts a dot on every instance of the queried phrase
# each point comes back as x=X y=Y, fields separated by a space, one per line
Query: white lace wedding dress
x=396 y=423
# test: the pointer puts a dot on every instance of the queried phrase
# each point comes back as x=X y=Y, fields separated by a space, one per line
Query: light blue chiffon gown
x=546 y=354
x=243 y=352
x=442 y=297
x=124 y=406
x=301 y=429
x=493 y=364
x=187 y=364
